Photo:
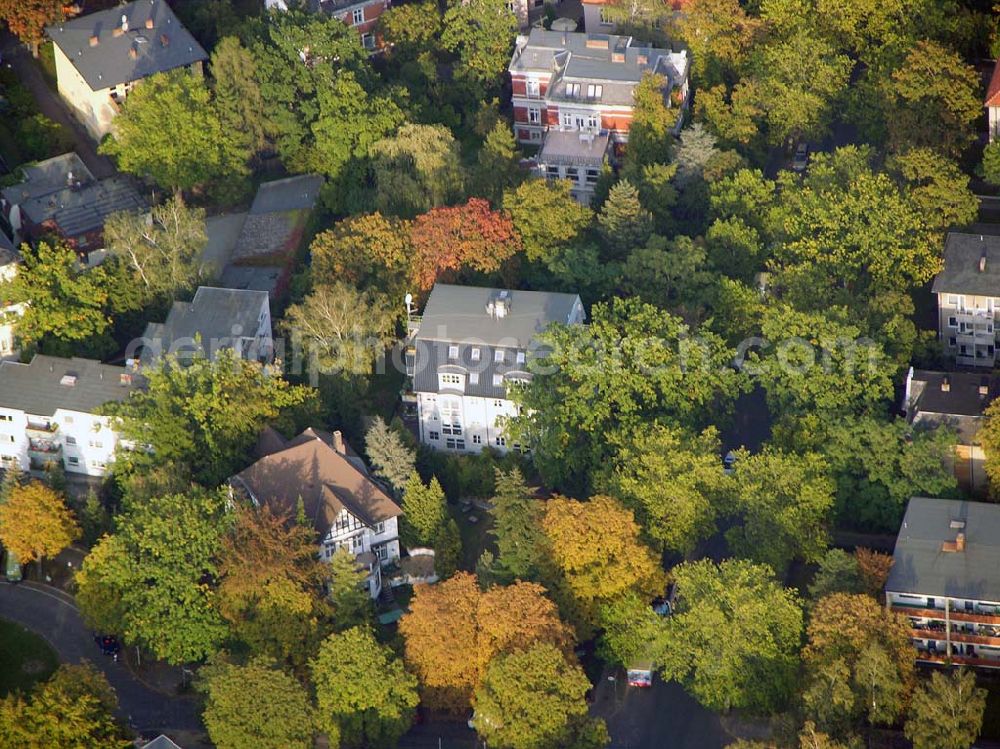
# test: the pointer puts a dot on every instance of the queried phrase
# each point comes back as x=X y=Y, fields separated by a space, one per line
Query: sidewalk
x=19 y=59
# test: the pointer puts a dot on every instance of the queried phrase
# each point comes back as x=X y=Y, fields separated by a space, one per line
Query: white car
x=801 y=158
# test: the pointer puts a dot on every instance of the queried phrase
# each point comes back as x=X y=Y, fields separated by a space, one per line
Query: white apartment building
x=9 y=259
x=48 y=413
x=470 y=344
x=100 y=56
x=968 y=297
x=345 y=506
x=945 y=579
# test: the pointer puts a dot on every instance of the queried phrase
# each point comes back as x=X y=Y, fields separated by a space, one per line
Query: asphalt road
x=52 y=617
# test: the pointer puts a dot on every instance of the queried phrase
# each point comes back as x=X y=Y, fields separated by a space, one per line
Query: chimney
x=946 y=384
x=960 y=542
x=617 y=57
x=164 y=40
x=149 y=23
x=982 y=261
x=133 y=52
x=984 y=386
x=94 y=41
x=338 y=442
x=641 y=58
x=125 y=379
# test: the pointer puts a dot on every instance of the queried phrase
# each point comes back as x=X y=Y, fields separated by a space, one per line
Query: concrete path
x=29 y=74
x=50 y=614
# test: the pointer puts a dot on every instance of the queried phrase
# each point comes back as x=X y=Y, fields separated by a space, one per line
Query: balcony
x=939 y=614
x=957 y=660
x=939 y=634
x=44 y=447
x=42 y=427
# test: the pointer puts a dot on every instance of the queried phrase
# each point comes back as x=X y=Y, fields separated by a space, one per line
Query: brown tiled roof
x=993 y=92
x=327 y=481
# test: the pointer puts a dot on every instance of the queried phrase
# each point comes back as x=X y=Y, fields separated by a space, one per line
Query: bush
x=38 y=137
x=467 y=475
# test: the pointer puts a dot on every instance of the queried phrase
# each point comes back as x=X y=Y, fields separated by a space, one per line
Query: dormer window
x=497 y=380
x=498 y=356
x=594 y=91
x=453 y=352
x=475 y=354
x=573 y=90
x=520 y=357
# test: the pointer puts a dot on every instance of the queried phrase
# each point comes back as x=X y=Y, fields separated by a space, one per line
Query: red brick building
x=362 y=15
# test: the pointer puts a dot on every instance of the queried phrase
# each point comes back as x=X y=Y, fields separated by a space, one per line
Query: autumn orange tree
x=596 y=555
x=454 y=630
x=270 y=585
x=27 y=19
x=873 y=568
x=35 y=522
x=450 y=239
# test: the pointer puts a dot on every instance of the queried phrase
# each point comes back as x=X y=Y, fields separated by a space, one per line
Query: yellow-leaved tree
x=35 y=522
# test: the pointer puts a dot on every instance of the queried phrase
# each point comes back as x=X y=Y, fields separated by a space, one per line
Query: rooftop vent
x=958 y=545
x=69 y=380
x=499 y=306
x=124 y=22
x=125 y=379
x=94 y=41
x=946 y=384
x=149 y=23
x=957 y=525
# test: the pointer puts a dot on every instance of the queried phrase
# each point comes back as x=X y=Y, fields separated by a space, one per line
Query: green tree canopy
x=362 y=690
x=517 y=527
x=946 y=712
x=238 y=98
x=534 y=699
x=393 y=460
x=481 y=33
x=169 y=130
x=547 y=217
x=149 y=581
x=236 y=716
x=734 y=636
x=205 y=415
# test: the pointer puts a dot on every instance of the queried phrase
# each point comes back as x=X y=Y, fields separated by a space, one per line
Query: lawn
x=476 y=536
x=25 y=658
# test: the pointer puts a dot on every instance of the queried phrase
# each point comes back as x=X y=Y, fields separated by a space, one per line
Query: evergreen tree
x=516 y=525
x=352 y=606
x=624 y=223
x=424 y=511
x=392 y=459
x=498 y=167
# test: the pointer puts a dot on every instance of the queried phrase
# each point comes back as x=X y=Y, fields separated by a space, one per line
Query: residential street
x=19 y=59
x=48 y=614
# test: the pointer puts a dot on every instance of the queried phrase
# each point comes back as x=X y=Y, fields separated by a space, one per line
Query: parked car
x=801 y=158
x=728 y=462
x=12 y=568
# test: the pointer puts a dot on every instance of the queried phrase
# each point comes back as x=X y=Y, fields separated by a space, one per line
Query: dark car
x=108 y=644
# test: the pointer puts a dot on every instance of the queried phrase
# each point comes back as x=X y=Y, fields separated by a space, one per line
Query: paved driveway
x=54 y=618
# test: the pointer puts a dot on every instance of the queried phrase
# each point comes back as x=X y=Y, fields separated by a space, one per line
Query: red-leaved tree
x=448 y=239
x=27 y=19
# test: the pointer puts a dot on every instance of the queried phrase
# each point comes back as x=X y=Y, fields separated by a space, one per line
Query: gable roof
x=962 y=398
x=328 y=481
x=164 y=46
x=161 y=742
x=922 y=567
x=42 y=385
x=961 y=274
x=993 y=90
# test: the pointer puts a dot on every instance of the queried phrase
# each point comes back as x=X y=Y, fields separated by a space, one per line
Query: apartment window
x=953 y=342
x=535 y=135
x=96 y=444
x=434 y=436
x=451 y=419
x=572 y=173
x=552 y=172
x=498 y=356
x=573 y=90
x=520 y=357
x=533 y=89
x=473 y=378
x=592 y=121
x=452 y=380
x=497 y=380
x=567 y=119
x=594 y=91
x=74 y=461
x=453 y=352
x=358 y=543
x=953 y=300
x=454 y=444
x=952 y=322
x=475 y=354
x=358 y=16
x=70 y=440
x=592 y=176
x=382 y=552
x=477 y=439
x=498 y=404
x=368 y=41
x=6 y=417
x=534 y=115
x=501 y=441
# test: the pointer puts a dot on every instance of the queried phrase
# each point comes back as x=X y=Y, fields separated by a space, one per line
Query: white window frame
x=520 y=357
x=473 y=378
x=475 y=354
x=357 y=16
x=498 y=356
x=452 y=351
x=497 y=380
x=532 y=87
x=534 y=115
x=567 y=119
x=594 y=90
x=573 y=90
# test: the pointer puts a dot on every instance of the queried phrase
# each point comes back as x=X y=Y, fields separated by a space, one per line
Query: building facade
x=968 y=298
x=9 y=259
x=993 y=104
x=361 y=15
x=945 y=580
x=346 y=507
x=99 y=57
x=48 y=413
x=470 y=344
x=584 y=83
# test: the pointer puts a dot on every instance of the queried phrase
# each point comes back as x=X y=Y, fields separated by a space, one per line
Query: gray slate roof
x=961 y=274
x=456 y=315
x=290 y=194
x=46 y=177
x=213 y=315
x=962 y=397
x=920 y=566
x=165 y=46
x=36 y=388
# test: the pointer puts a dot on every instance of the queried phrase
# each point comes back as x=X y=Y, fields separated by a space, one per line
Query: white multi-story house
x=216 y=319
x=968 y=298
x=993 y=103
x=470 y=344
x=9 y=259
x=100 y=56
x=345 y=506
x=48 y=413
x=945 y=579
